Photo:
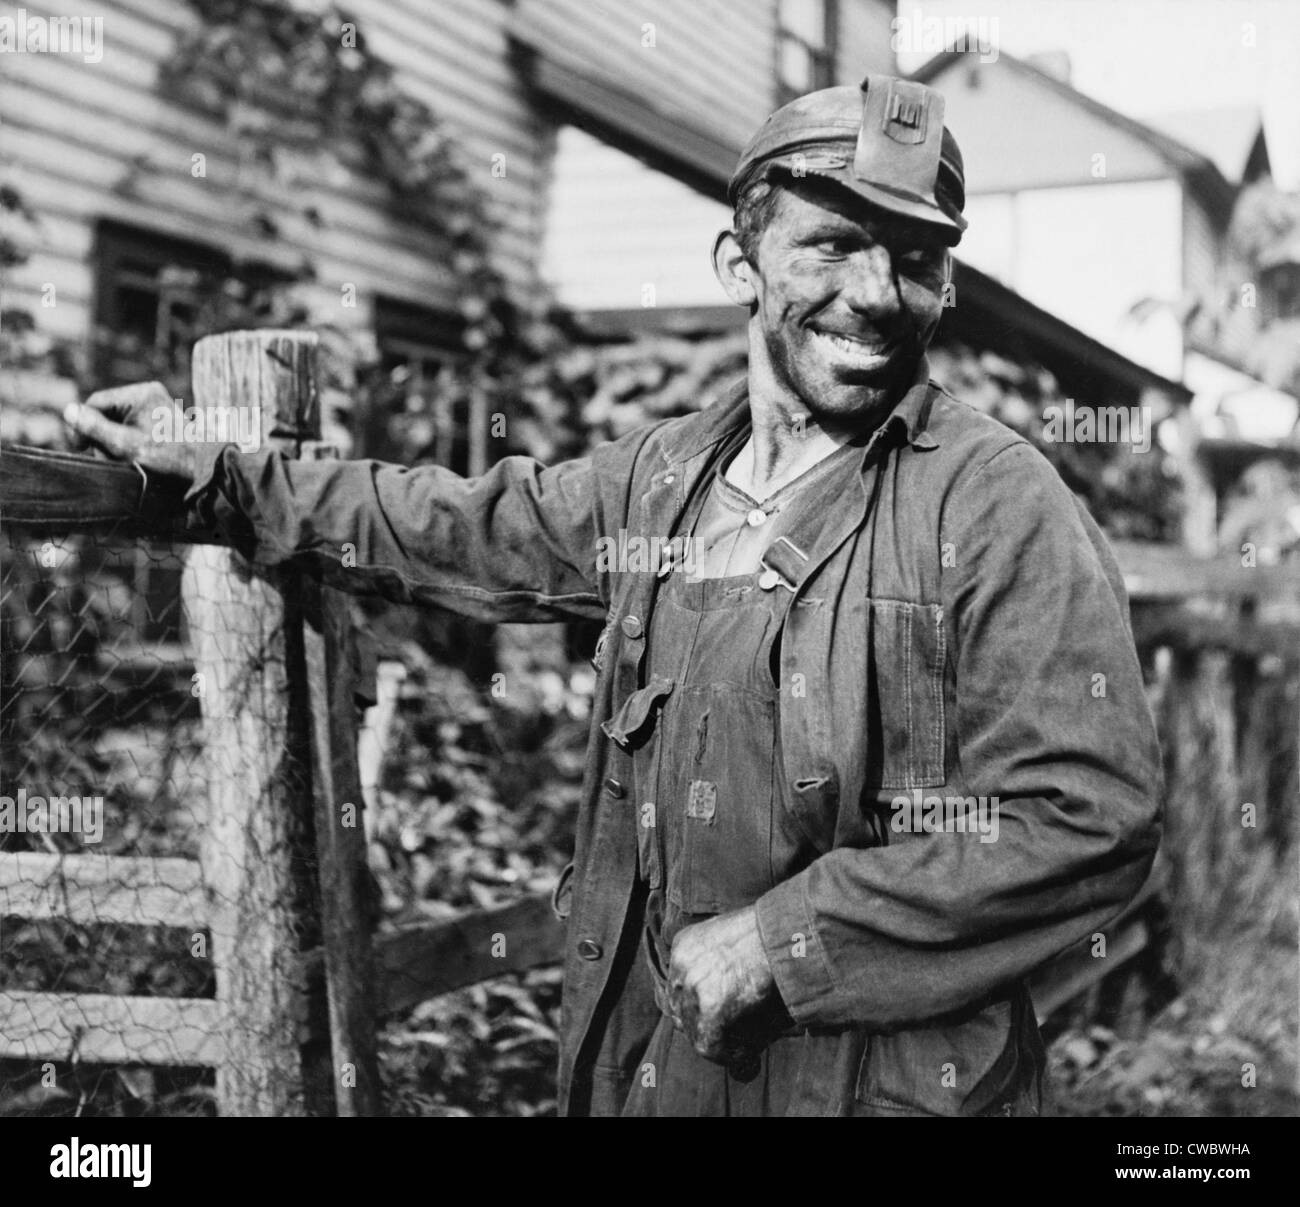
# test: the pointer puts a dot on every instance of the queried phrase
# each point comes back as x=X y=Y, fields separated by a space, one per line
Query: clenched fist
x=717 y=974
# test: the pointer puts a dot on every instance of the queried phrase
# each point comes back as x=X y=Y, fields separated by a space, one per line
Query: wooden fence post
x=260 y=847
x=1203 y=832
x=331 y=681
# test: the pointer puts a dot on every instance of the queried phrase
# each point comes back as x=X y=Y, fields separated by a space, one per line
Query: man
x=870 y=754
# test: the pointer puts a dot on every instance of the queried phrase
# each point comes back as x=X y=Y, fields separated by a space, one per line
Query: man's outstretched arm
x=516 y=544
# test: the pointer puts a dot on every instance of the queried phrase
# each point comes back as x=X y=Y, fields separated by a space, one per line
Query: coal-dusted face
x=847 y=297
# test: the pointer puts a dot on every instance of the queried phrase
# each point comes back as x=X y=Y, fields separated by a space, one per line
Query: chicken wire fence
x=127 y=902
x=102 y=796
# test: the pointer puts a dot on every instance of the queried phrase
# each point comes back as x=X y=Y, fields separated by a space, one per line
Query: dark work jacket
x=966 y=636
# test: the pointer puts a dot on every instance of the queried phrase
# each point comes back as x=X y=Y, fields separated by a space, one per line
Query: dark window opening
x=1281 y=290
x=148 y=289
x=421 y=414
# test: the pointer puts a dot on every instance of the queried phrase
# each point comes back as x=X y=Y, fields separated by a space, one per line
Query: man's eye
x=835 y=245
x=918 y=258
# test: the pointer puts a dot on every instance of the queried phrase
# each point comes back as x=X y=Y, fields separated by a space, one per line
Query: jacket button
x=589 y=949
x=631 y=626
x=615 y=788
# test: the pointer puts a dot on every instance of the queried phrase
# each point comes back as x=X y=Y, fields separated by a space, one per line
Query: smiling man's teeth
x=847 y=343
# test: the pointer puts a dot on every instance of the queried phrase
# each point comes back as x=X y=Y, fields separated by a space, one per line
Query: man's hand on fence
x=718 y=972
x=121 y=422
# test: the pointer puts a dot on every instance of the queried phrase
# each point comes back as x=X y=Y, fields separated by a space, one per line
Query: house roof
x=1198 y=169
x=1232 y=136
x=674 y=142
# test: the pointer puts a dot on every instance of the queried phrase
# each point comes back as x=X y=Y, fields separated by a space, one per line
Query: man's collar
x=913 y=409
x=912 y=412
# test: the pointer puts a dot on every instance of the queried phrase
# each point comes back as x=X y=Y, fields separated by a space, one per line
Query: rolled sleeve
x=786 y=926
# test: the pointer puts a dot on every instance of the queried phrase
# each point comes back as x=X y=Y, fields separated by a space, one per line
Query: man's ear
x=734 y=272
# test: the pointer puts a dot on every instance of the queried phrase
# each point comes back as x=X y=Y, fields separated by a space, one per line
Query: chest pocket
x=909 y=650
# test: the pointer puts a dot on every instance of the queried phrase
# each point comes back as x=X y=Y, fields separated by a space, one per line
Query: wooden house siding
x=622 y=236
x=84 y=142
x=616 y=226
x=712 y=64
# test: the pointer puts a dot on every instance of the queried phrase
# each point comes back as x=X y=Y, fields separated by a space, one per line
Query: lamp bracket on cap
x=901 y=138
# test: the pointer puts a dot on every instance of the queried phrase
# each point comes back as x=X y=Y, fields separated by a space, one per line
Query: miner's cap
x=885 y=140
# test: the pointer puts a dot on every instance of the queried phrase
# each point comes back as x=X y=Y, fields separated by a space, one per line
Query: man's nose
x=868 y=282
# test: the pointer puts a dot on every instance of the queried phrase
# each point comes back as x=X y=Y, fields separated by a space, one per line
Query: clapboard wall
x=621 y=236
x=89 y=141
x=84 y=142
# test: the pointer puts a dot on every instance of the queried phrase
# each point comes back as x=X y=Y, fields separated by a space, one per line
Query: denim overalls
x=712 y=833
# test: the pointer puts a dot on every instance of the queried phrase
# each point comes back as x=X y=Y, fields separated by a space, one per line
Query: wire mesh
x=102 y=801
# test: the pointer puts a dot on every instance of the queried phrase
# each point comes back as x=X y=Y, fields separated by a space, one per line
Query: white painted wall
x=614 y=226
x=1087 y=254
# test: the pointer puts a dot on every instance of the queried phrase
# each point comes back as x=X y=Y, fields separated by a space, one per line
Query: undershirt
x=734 y=530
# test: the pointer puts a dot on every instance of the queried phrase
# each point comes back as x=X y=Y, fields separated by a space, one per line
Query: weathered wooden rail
x=89 y=889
